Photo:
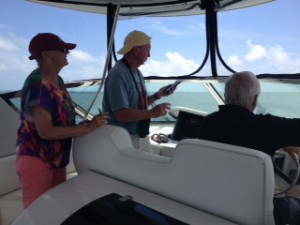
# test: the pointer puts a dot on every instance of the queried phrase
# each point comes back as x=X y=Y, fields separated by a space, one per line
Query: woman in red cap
x=47 y=120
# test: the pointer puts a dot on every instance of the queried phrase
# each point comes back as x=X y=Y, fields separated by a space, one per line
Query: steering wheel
x=291 y=182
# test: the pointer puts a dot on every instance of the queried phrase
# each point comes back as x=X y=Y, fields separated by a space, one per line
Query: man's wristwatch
x=156 y=96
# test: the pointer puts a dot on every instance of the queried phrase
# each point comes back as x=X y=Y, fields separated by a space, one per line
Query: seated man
x=235 y=123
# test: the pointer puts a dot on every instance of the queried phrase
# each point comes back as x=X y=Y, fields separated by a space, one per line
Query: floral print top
x=57 y=101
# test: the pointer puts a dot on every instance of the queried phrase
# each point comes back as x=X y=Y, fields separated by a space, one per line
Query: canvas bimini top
x=130 y=8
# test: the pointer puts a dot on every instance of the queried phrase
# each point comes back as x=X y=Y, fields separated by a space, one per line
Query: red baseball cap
x=45 y=42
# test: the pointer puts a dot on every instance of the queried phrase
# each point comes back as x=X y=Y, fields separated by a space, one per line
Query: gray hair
x=241 y=89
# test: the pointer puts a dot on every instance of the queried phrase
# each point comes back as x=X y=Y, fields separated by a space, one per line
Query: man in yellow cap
x=125 y=96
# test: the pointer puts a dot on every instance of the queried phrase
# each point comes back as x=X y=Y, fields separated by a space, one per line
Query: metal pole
x=108 y=57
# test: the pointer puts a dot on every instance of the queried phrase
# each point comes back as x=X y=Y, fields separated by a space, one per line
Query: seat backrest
x=10 y=121
x=231 y=182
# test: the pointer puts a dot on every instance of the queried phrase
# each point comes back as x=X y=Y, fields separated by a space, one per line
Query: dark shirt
x=237 y=125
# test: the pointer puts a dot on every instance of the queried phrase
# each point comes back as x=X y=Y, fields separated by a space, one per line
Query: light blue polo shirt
x=120 y=93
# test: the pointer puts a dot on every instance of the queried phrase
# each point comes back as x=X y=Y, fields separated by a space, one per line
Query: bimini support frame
x=212 y=46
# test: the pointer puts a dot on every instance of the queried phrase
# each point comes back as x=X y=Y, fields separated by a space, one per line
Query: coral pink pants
x=36 y=177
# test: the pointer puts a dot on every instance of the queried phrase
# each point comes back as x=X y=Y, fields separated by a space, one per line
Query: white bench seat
x=206 y=182
x=206 y=175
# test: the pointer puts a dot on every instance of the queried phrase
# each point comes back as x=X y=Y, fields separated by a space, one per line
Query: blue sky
x=263 y=39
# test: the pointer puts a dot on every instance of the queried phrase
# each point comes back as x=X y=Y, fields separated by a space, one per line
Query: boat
x=171 y=193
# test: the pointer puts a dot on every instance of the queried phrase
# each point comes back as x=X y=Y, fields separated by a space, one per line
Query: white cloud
x=15 y=66
x=159 y=26
x=187 y=30
x=256 y=52
x=262 y=59
x=83 y=65
x=81 y=56
x=281 y=61
x=174 y=65
x=7 y=45
x=196 y=28
x=235 y=60
x=14 y=62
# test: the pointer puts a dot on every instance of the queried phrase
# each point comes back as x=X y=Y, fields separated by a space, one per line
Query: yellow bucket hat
x=134 y=38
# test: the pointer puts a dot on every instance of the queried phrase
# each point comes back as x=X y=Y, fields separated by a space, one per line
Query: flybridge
x=153 y=7
x=159 y=8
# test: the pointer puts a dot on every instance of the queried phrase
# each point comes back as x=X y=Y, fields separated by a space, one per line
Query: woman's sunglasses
x=64 y=50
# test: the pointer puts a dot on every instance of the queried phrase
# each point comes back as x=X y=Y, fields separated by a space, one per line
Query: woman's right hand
x=98 y=120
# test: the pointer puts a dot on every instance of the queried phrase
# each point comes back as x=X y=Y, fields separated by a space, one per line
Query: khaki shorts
x=144 y=144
